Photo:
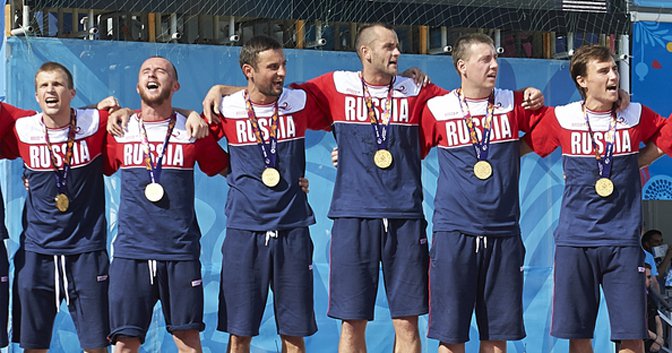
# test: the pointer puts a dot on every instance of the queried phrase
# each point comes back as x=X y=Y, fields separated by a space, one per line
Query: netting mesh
x=296 y=23
x=506 y=14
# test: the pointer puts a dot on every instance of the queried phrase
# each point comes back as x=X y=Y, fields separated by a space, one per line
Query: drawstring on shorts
x=57 y=285
x=479 y=239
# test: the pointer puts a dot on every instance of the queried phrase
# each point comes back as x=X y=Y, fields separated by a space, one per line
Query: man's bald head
x=367 y=34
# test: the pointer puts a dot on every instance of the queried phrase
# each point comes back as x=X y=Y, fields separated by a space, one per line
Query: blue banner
x=103 y=68
x=653 y=3
x=652 y=69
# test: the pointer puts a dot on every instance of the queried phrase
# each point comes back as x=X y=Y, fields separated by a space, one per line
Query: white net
x=302 y=23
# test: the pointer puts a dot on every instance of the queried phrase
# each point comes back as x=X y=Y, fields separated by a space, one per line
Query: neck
x=257 y=97
x=475 y=92
x=60 y=120
x=595 y=105
x=376 y=78
x=156 y=113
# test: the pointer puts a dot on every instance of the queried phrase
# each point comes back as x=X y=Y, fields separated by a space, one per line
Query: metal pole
x=624 y=62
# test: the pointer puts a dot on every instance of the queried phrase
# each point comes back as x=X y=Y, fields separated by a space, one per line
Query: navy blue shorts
x=358 y=246
x=469 y=272
x=136 y=286
x=35 y=290
x=4 y=294
x=251 y=261
x=578 y=274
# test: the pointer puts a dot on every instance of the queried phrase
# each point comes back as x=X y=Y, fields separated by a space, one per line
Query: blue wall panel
x=653 y=3
x=110 y=68
x=651 y=71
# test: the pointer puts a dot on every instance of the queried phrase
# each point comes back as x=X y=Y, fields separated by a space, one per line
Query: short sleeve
x=211 y=158
x=543 y=138
x=429 y=136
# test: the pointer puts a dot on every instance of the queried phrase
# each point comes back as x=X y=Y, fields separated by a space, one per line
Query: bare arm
x=195 y=125
x=533 y=98
x=665 y=264
x=110 y=104
x=623 y=100
x=649 y=155
x=304 y=183
x=659 y=331
x=524 y=148
x=212 y=99
x=118 y=121
x=417 y=75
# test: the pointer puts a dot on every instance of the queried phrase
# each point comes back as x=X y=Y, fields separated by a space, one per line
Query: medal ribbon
x=154 y=169
x=603 y=163
x=482 y=147
x=381 y=127
x=268 y=150
x=62 y=175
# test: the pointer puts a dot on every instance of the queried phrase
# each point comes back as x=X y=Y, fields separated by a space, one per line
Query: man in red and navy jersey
x=380 y=173
x=377 y=199
x=62 y=254
x=476 y=211
x=157 y=249
x=597 y=239
x=267 y=238
x=8 y=114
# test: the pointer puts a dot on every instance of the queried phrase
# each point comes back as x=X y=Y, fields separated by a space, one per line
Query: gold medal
x=382 y=159
x=62 y=202
x=483 y=170
x=604 y=187
x=270 y=177
x=154 y=192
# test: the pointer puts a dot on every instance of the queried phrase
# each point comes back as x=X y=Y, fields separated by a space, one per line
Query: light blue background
x=110 y=68
x=654 y=3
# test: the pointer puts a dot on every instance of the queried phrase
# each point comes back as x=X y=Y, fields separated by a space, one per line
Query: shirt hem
x=472 y=232
x=598 y=244
x=51 y=252
x=270 y=227
x=377 y=215
x=162 y=257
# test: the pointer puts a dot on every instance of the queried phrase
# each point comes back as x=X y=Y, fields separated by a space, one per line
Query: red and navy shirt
x=82 y=228
x=587 y=219
x=361 y=189
x=250 y=204
x=8 y=114
x=464 y=203
x=168 y=229
x=663 y=137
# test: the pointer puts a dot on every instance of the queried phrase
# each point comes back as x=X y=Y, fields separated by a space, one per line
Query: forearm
x=649 y=155
x=659 y=331
x=524 y=148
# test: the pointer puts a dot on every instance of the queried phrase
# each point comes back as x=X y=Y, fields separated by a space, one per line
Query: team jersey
x=663 y=137
x=361 y=189
x=81 y=228
x=8 y=114
x=463 y=202
x=587 y=219
x=251 y=205
x=167 y=229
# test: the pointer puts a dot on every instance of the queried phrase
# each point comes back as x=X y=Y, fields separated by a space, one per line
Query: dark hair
x=647 y=265
x=249 y=53
x=364 y=28
x=171 y=64
x=54 y=66
x=649 y=234
x=578 y=65
x=462 y=43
